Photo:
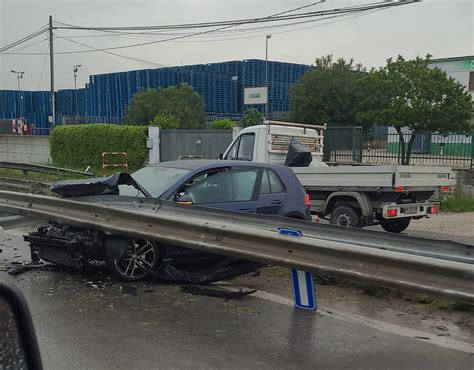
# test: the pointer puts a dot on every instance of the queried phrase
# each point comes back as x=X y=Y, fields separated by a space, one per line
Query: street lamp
x=267 y=37
x=18 y=76
x=75 y=69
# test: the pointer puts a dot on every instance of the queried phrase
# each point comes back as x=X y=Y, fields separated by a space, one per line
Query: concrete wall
x=465 y=182
x=28 y=149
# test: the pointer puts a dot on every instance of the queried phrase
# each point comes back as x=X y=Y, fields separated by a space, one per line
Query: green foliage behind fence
x=80 y=146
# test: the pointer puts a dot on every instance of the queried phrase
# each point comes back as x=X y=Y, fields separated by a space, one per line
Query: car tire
x=345 y=216
x=140 y=257
x=395 y=226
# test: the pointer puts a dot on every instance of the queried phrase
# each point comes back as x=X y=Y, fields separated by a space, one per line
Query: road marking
x=373 y=323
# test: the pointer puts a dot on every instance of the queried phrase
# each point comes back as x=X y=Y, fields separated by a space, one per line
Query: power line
x=23 y=40
x=115 y=54
x=163 y=40
x=207 y=72
x=14 y=52
x=44 y=64
x=342 y=18
x=212 y=37
x=340 y=12
x=269 y=18
x=112 y=33
x=275 y=17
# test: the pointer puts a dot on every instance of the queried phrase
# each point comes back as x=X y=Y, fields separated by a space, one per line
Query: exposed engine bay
x=131 y=259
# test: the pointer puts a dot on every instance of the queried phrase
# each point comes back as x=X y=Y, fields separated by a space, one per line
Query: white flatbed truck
x=357 y=196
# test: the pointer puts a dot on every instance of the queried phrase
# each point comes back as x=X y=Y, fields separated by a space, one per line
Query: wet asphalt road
x=87 y=321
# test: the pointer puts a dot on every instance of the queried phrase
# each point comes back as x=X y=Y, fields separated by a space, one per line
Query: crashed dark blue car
x=231 y=185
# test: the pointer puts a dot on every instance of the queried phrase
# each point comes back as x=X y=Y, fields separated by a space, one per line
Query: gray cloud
x=440 y=27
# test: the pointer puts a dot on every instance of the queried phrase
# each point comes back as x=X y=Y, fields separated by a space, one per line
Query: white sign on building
x=255 y=95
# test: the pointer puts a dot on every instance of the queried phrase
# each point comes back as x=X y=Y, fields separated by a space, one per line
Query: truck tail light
x=444 y=188
x=392 y=212
x=399 y=189
x=434 y=210
x=307 y=200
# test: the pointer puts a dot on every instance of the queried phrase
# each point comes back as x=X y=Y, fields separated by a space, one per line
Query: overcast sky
x=442 y=28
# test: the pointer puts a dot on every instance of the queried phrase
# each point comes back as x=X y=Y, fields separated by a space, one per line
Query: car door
x=242 y=149
x=272 y=194
x=233 y=189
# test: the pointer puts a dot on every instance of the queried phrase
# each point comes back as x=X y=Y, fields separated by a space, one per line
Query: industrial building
x=106 y=96
x=459 y=68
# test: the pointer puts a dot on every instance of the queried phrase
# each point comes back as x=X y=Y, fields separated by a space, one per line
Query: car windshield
x=155 y=180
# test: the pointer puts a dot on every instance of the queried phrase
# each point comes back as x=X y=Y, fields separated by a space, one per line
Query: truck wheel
x=138 y=259
x=395 y=226
x=345 y=216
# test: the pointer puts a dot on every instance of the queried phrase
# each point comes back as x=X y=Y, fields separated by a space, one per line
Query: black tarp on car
x=97 y=186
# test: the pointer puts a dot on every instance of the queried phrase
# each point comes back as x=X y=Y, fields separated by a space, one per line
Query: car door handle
x=277 y=202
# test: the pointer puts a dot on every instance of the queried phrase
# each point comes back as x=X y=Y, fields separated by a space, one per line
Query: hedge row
x=80 y=146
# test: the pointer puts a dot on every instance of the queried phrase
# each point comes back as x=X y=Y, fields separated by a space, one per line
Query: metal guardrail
x=28 y=167
x=337 y=251
x=23 y=185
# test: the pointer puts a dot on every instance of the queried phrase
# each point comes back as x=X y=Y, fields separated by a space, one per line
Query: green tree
x=165 y=121
x=408 y=93
x=327 y=93
x=251 y=117
x=181 y=102
x=222 y=124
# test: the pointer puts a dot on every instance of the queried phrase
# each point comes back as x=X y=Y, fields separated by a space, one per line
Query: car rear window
x=271 y=183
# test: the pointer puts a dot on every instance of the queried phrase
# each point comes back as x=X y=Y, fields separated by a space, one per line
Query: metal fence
x=352 y=145
x=77 y=120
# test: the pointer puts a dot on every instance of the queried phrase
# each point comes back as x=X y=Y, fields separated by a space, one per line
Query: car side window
x=232 y=153
x=271 y=183
x=234 y=185
x=245 y=152
x=276 y=186
x=265 y=186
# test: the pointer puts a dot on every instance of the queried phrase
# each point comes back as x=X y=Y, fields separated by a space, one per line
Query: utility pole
x=76 y=67
x=267 y=37
x=51 y=71
x=19 y=75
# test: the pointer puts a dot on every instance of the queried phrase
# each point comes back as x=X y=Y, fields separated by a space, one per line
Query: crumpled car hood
x=96 y=186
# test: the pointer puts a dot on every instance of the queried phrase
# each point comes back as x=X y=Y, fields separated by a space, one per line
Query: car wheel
x=395 y=226
x=345 y=216
x=135 y=264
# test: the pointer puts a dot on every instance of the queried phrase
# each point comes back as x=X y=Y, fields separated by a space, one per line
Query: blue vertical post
x=304 y=294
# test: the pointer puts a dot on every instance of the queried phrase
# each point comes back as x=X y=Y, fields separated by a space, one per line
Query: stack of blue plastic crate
x=106 y=96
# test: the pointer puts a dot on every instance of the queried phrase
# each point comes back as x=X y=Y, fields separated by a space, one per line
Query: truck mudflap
x=409 y=210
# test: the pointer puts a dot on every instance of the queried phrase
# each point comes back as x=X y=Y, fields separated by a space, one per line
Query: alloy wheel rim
x=139 y=259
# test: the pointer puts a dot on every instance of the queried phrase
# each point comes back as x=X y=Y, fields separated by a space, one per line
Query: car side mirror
x=18 y=344
x=220 y=156
x=185 y=199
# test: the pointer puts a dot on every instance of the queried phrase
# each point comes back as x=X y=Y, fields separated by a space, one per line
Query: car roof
x=203 y=164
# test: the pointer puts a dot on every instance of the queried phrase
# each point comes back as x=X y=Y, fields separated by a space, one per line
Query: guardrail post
x=304 y=294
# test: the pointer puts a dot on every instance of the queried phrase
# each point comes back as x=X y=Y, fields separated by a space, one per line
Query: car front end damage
x=130 y=259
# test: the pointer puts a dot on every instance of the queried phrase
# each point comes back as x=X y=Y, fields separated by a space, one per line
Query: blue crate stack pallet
x=106 y=96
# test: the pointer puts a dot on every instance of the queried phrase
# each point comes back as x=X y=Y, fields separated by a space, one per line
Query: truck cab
x=268 y=143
